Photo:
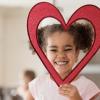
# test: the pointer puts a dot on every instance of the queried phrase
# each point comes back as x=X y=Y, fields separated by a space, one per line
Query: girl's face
x=61 y=52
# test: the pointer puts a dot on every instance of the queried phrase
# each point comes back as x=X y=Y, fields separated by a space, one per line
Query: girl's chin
x=61 y=68
x=63 y=75
x=63 y=72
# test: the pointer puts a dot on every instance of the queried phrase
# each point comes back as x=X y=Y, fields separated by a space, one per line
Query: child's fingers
x=67 y=86
x=64 y=89
x=64 y=92
x=67 y=89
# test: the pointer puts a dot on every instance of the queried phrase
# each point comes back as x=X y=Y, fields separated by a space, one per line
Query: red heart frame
x=43 y=10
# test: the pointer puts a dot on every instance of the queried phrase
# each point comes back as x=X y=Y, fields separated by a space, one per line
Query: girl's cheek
x=70 y=54
x=51 y=57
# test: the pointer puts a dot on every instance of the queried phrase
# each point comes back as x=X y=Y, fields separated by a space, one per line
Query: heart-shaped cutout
x=43 y=10
x=53 y=39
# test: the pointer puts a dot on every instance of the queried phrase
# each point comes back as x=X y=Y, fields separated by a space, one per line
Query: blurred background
x=15 y=52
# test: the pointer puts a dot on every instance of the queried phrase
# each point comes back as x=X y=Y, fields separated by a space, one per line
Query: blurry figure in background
x=23 y=90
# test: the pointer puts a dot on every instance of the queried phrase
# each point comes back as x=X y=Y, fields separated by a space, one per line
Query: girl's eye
x=68 y=49
x=53 y=50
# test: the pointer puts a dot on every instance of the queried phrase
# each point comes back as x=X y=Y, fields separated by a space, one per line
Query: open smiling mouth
x=61 y=63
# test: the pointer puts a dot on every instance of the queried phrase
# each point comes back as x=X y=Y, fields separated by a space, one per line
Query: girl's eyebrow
x=53 y=46
x=68 y=45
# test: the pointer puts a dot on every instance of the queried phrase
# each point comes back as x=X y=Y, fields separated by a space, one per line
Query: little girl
x=62 y=48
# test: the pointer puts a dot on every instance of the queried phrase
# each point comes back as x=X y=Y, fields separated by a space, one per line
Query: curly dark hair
x=82 y=34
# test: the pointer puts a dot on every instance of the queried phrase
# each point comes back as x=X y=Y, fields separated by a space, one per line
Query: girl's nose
x=61 y=55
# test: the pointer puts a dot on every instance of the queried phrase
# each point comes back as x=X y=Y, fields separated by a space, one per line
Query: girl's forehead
x=61 y=39
x=60 y=33
x=56 y=46
x=60 y=36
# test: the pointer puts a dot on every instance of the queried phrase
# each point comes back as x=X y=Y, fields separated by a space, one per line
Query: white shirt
x=43 y=88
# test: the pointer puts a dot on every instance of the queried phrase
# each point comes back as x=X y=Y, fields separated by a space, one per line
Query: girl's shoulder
x=39 y=80
x=86 y=87
x=85 y=84
x=84 y=80
x=37 y=83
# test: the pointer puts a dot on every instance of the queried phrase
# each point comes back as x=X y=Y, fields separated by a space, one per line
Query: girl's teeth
x=61 y=63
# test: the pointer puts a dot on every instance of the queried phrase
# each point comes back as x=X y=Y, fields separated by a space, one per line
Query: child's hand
x=70 y=91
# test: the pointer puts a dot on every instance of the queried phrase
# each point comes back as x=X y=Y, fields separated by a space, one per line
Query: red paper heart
x=43 y=10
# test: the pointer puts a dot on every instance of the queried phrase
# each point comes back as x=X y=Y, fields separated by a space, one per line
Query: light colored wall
x=1 y=47
x=21 y=3
x=16 y=54
x=71 y=6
